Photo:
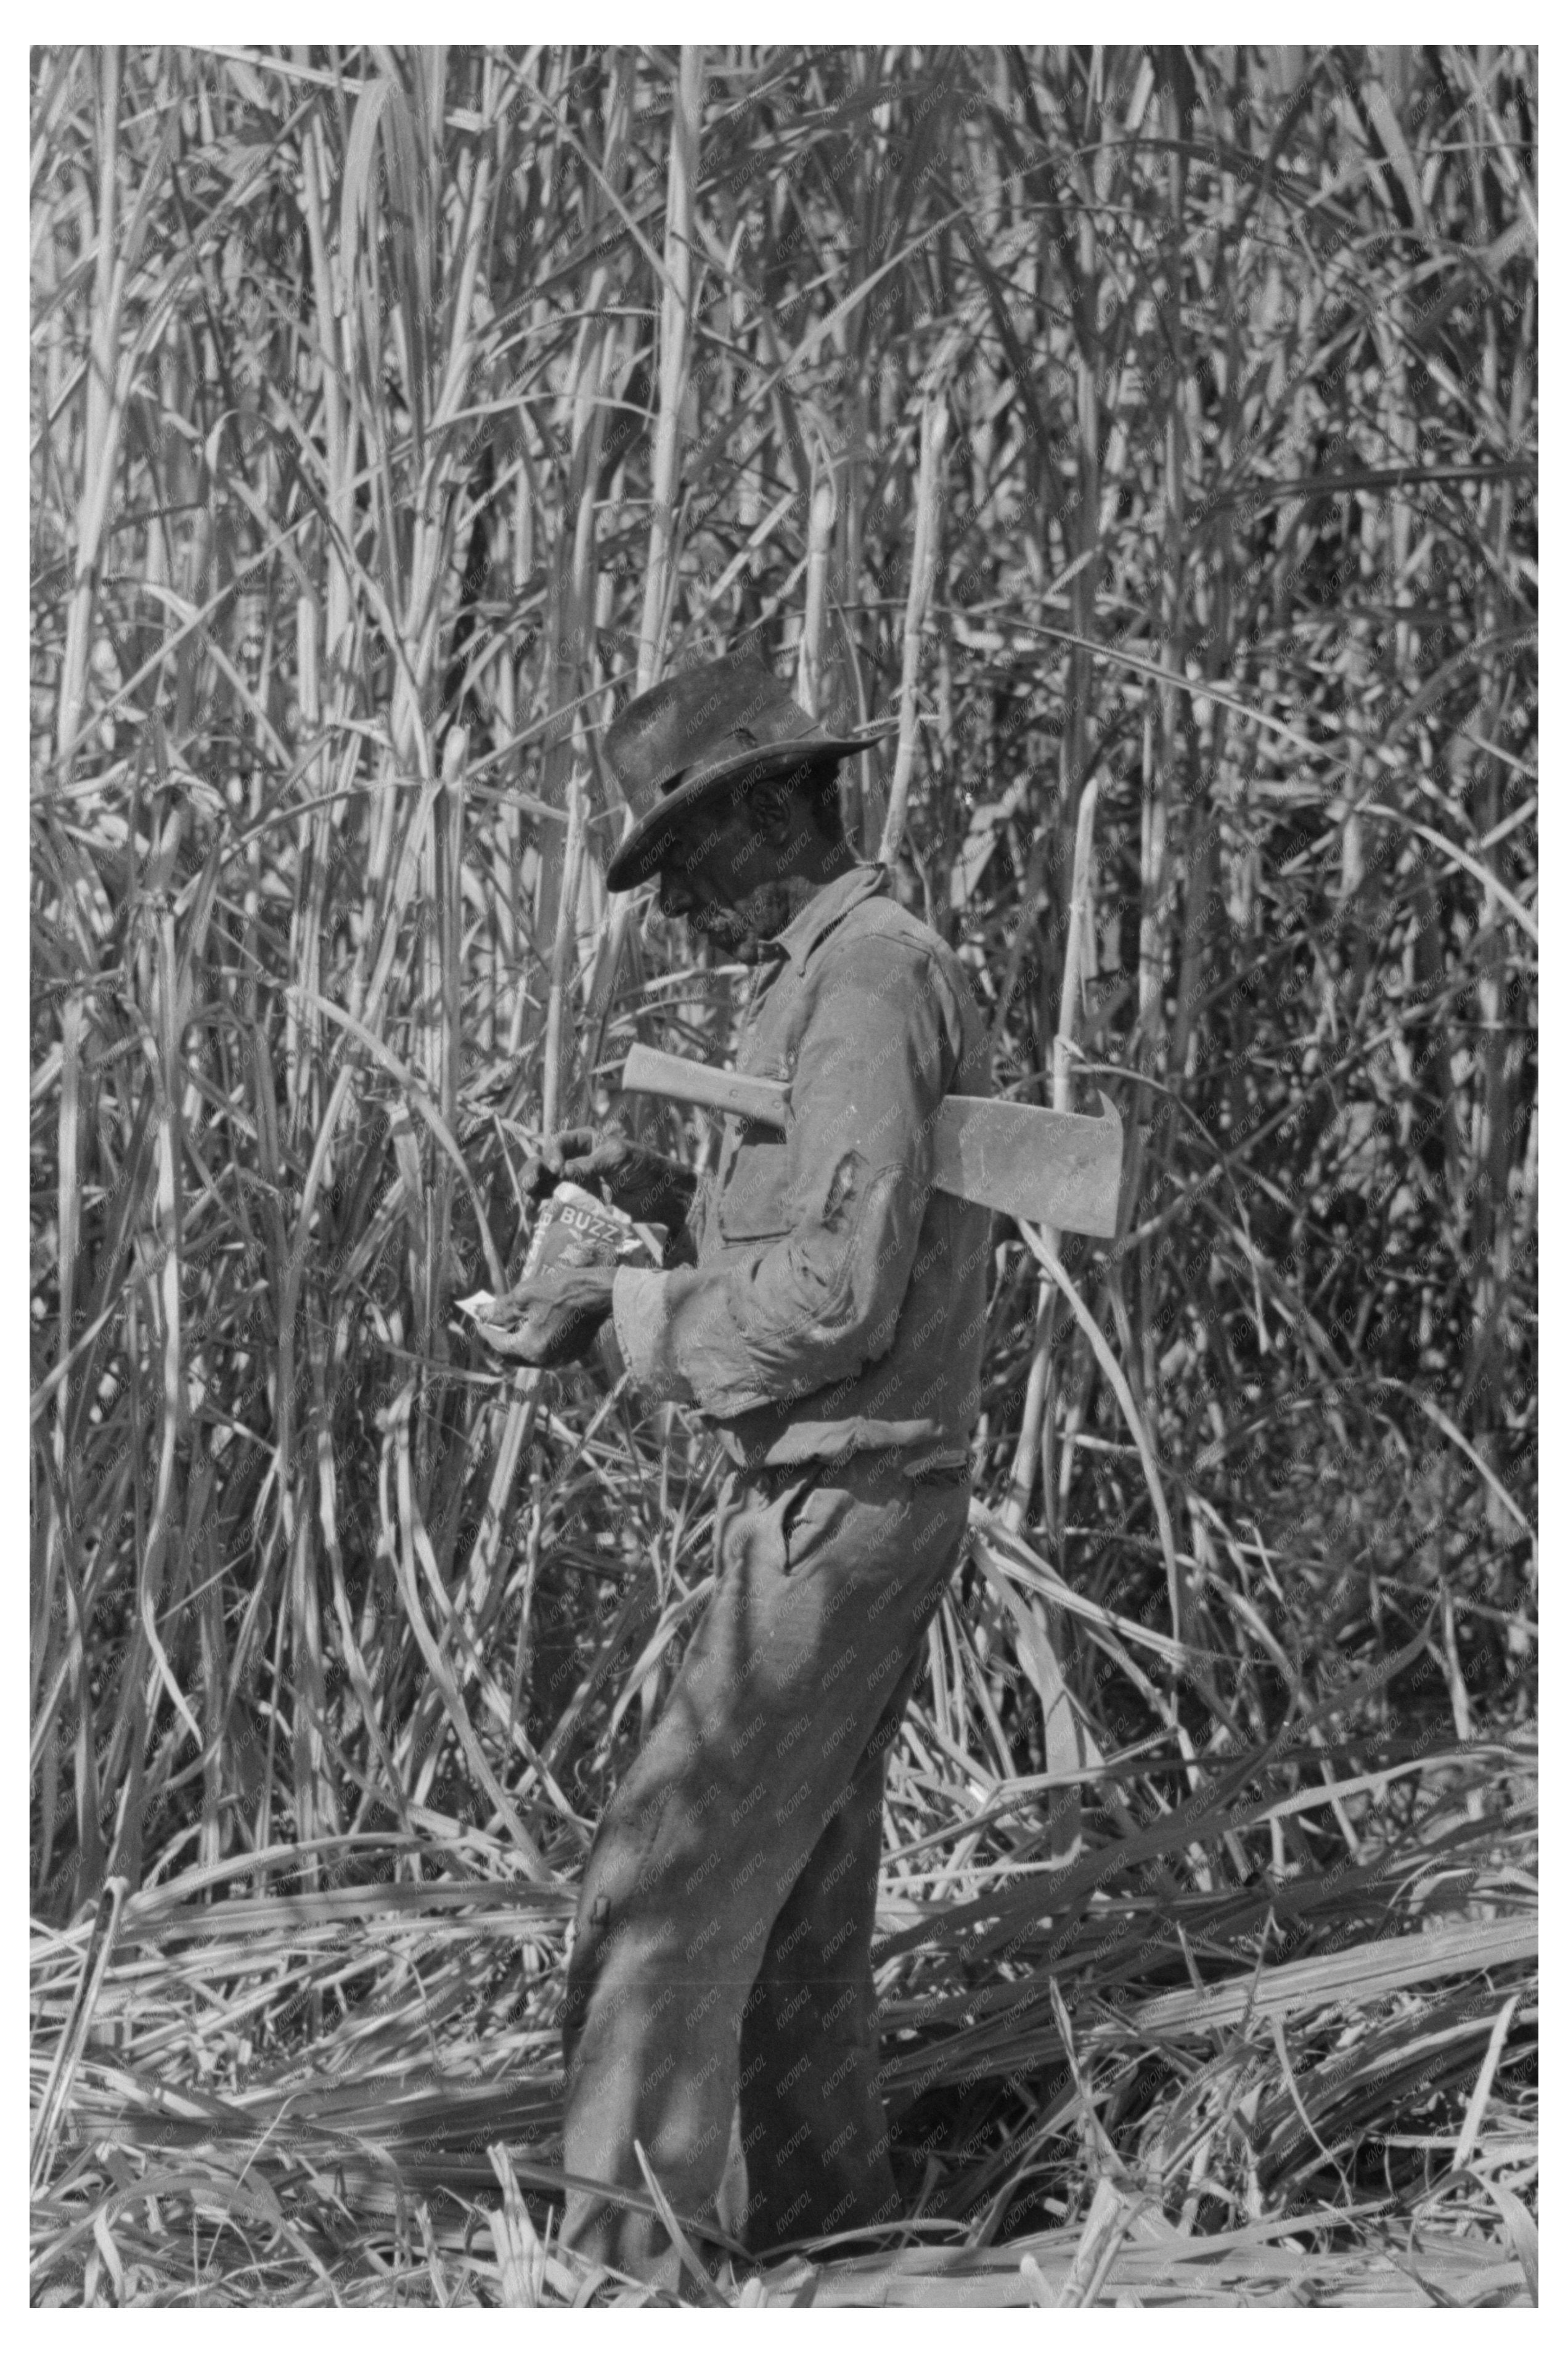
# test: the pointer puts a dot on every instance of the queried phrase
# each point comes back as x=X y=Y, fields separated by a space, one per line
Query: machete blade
x=1059 y=1168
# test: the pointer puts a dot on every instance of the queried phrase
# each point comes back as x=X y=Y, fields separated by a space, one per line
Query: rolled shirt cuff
x=679 y=1340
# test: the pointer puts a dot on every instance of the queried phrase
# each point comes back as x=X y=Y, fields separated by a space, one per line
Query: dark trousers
x=723 y=1946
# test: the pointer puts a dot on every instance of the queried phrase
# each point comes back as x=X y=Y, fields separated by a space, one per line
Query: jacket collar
x=830 y=904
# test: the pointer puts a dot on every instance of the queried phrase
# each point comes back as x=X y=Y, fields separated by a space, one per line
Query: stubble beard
x=740 y=930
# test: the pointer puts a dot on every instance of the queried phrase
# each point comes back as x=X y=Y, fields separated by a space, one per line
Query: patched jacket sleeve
x=879 y=1049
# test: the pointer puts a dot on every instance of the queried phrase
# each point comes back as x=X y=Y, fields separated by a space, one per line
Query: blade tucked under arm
x=1055 y=1167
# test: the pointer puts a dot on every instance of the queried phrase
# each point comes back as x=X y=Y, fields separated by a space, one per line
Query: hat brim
x=641 y=855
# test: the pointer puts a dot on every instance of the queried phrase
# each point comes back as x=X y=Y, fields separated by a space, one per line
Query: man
x=831 y=1333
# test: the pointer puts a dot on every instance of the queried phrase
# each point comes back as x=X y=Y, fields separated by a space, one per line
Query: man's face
x=724 y=872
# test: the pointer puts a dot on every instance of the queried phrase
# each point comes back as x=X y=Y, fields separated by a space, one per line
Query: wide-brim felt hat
x=715 y=730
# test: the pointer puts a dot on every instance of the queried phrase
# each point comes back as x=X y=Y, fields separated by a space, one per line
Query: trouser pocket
x=812 y=1509
x=792 y=1509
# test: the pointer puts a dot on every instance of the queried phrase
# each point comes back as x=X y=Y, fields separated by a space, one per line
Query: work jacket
x=837 y=1304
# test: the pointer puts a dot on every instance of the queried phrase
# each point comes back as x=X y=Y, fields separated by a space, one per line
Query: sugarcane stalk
x=522 y=1403
x=104 y=411
x=921 y=571
x=1026 y=1456
x=675 y=364
x=674 y=354
x=818 y=550
x=562 y=955
x=1069 y=1743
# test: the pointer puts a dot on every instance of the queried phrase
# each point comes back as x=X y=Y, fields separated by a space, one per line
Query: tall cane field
x=1153 y=433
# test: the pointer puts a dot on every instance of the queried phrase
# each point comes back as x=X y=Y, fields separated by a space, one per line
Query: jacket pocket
x=754 y=1205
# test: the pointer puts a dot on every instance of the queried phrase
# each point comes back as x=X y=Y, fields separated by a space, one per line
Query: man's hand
x=552 y=1318
x=604 y=1161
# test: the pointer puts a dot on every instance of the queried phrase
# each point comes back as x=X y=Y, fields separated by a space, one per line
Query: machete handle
x=649 y=1072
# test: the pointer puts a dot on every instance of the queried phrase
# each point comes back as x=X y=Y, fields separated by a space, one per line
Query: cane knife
x=1058 y=1168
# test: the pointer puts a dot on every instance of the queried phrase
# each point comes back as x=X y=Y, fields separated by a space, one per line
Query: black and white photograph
x=783 y=1154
